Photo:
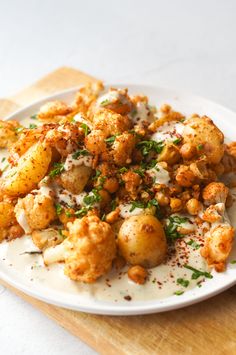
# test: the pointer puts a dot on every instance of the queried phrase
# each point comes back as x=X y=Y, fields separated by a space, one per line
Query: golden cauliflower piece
x=215 y=192
x=53 y=111
x=116 y=100
x=86 y=96
x=111 y=123
x=218 y=246
x=35 y=212
x=206 y=137
x=91 y=249
x=47 y=238
x=8 y=133
x=9 y=228
x=88 y=251
x=122 y=148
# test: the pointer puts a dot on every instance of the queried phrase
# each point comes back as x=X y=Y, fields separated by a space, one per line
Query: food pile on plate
x=110 y=180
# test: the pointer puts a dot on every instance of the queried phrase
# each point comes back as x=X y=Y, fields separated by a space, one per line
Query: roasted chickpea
x=169 y=154
x=193 y=206
x=162 y=199
x=142 y=241
x=137 y=274
x=111 y=184
x=175 y=204
x=188 y=151
x=105 y=198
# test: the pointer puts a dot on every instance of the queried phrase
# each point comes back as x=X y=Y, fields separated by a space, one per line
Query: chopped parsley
x=104 y=102
x=233 y=262
x=113 y=205
x=79 y=152
x=86 y=129
x=147 y=146
x=200 y=147
x=103 y=218
x=97 y=174
x=182 y=282
x=34 y=117
x=59 y=208
x=82 y=212
x=111 y=140
x=123 y=170
x=194 y=244
x=140 y=172
x=171 y=228
x=92 y=198
x=68 y=213
x=19 y=129
x=197 y=273
x=177 y=141
x=61 y=233
x=137 y=204
x=58 y=169
x=178 y=293
x=3 y=159
x=32 y=126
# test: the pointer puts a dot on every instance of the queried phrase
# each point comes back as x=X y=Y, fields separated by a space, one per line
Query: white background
x=183 y=44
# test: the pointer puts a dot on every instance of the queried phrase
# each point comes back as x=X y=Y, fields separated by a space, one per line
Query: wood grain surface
x=205 y=328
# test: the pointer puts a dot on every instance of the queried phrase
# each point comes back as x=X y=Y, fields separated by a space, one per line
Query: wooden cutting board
x=206 y=328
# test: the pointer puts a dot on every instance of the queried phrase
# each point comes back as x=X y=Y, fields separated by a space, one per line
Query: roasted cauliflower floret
x=86 y=96
x=111 y=123
x=214 y=213
x=218 y=246
x=53 y=111
x=95 y=142
x=8 y=133
x=75 y=179
x=47 y=238
x=122 y=149
x=116 y=100
x=215 y=192
x=206 y=137
x=88 y=251
x=35 y=212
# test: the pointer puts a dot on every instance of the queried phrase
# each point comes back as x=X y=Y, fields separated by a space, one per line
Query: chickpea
x=188 y=151
x=111 y=184
x=162 y=199
x=137 y=274
x=175 y=204
x=113 y=216
x=185 y=177
x=193 y=206
x=169 y=154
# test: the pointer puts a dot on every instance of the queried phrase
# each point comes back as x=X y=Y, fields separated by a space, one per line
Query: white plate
x=187 y=104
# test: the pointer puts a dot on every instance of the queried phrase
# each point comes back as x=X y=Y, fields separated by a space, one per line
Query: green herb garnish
x=140 y=172
x=113 y=205
x=233 y=262
x=147 y=146
x=19 y=129
x=86 y=129
x=194 y=244
x=200 y=147
x=177 y=141
x=3 y=159
x=104 y=102
x=111 y=139
x=60 y=232
x=182 y=282
x=123 y=170
x=82 y=212
x=58 y=169
x=197 y=273
x=80 y=152
x=68 y=213
x=92 y=198
x=59 y=208
x=97 y=174
x=34 y=117
x=137 y=204
x=32 y=126
x=172 y=226
x=178 y=293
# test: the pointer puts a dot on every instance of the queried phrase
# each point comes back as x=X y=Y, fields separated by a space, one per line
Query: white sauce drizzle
x=169 y=132
x=70 y=162
x=125 y=210
x=159 y=175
